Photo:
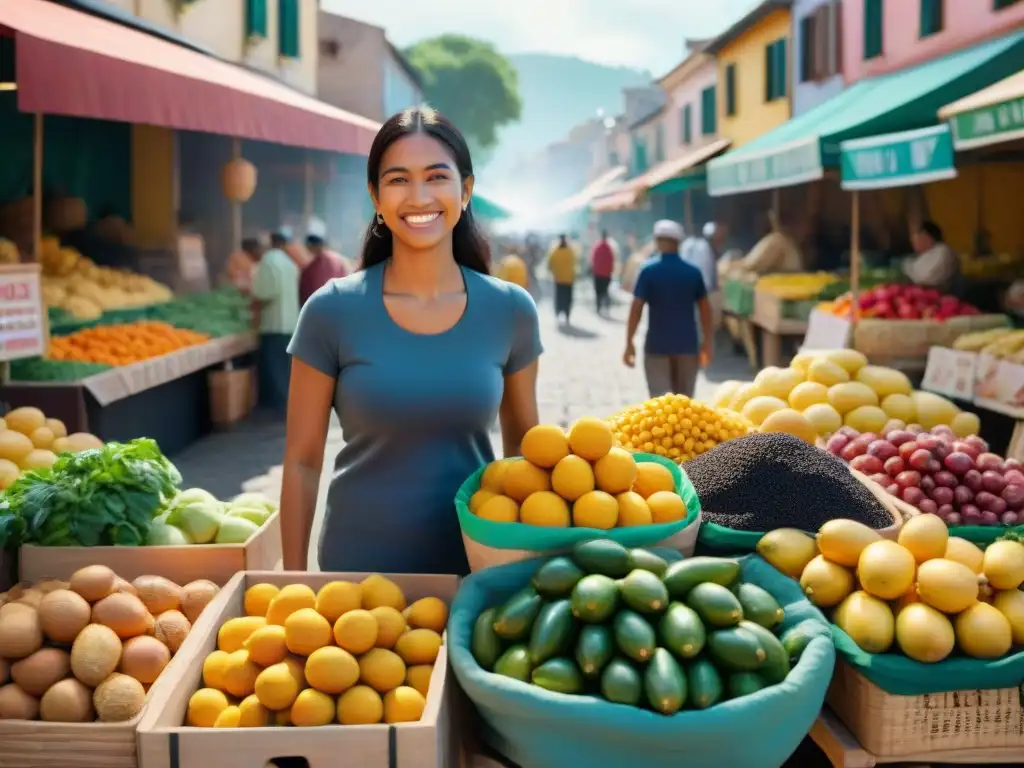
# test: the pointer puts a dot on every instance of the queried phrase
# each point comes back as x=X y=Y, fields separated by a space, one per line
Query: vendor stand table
x=166 y=398
x=773 y=325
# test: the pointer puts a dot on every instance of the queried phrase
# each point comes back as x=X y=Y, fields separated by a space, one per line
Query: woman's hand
x=518 y=411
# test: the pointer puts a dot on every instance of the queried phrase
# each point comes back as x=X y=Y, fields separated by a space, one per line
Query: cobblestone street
x=581 y=373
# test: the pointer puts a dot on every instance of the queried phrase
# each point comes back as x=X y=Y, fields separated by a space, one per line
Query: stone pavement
x=581 y=374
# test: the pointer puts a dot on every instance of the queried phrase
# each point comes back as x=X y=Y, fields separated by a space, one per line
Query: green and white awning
x=803 y=148
x=990 y=116
x=898 y=159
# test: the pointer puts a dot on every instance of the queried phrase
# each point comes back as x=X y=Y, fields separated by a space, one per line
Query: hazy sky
x=648 y=35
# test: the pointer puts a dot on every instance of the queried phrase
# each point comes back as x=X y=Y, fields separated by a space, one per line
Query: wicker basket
x=958 y=726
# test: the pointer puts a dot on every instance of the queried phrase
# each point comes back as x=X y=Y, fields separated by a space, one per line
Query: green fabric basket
x=714 y=539
x=517 y=541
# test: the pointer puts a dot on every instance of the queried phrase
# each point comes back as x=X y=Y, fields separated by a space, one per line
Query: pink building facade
x=948 y=25
x=686 y=103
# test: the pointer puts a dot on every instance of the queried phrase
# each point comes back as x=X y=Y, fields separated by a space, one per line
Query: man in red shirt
x=602 y=267
x=325 y=266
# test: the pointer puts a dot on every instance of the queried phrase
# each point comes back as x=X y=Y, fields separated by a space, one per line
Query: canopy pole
x=688 y=210
x=236 y=205
x=37 y=188
x=854 y=256
x=775 y=202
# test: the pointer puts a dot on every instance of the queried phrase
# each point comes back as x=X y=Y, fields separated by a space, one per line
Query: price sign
x=826 y=331
x=950 y=373
x=192 y=259
x=23 y=328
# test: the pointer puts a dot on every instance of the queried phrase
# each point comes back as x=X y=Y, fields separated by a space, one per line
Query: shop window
x=687 y=131
x=256 y=19
x=806 y=69
x=708 y=111
x=931 y=17
x=730 y=90
x=775 y=70
x=873 y=28
x=288 y=33
x=820 y=39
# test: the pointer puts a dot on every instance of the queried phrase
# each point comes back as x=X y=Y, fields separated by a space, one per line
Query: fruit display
x=219 y=313
x=676 y=427
x=766 y=481
x=195 y=516
x=122 y=344
x=29 y=440
x=799 y=286
x=88 y=649
x=629 y=627
x=107 y=495
x=926 y=594
x=350 y=653
x=579 y=478
x=1001 y=343
x=959 y=480
x=823 y=390
x=901 y=302
x=869 y=278
x=9 y=253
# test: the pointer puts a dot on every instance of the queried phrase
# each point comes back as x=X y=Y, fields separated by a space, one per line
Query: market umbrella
x=488 y=210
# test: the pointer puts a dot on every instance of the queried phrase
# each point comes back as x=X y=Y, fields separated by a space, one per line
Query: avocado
x=705 y=684
x=594 y=649
x=485 y=645
x=556 y=577
x=515 y=618
x=647 y=561
x=736 y=649
x=664 y=683
x=558 y=675
x=602 y=556
x=775 y=666
x=634 y=636
x=715 y=604
x=742 y=684
x=514 y=663
x=621 y=683
x=795 y=640
x=552 y=631
x=681 y=631
x=643 y=591
x=759 y=606
x=684 y=575
x=594 y=598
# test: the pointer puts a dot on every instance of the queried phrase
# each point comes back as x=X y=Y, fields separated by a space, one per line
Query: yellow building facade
x=754 y=73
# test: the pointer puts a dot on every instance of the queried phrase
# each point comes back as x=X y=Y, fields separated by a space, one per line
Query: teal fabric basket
x=541 y=729
x=489 y=543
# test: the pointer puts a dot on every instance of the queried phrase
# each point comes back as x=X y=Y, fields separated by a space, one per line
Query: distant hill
x=558 y=93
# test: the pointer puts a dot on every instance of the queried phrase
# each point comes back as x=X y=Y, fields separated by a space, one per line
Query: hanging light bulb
x=8 y=78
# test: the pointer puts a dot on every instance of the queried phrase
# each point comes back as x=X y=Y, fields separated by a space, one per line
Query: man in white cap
x=673 y=290
x=703 y=252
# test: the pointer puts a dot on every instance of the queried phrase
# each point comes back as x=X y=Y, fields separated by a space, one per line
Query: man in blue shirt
x=672 y=289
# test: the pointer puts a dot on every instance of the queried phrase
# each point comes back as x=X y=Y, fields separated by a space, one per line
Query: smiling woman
x=417 y=353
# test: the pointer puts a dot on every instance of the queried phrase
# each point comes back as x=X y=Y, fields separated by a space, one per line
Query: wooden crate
x=433 y=742
x=35 y=744
x=216 y=562
x=972 y=727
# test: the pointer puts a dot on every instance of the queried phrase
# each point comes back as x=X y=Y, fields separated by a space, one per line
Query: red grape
x=915 y=429
x=869 y=437
x=942 y=429
x=882 y=449
x=990 y=501
x=894 y=466
x=927 y=483
x=908 y=479
x=942 y=495
x=836 y=443
x=1009 y=518
x=1013 y=495
x=989 y=462
x=953 y=518
x=992 y=482
x=899 y=437
x=893 y=489
x=912 y=495
x=970 y=514
x=934 y=466
x=927 y=506
x=881 y=478
x=869 y=465
x=852 y=450
x=972 y=479
x=907 y=450
x=977 y=443
x=945 y=478
x=1013 y=477
x=942 y=451
x=959 y=463
x=850 y=432
x=963 y=495
x=928 y=442
x=920 y=460
x=989 y=518
x=945 y=510
x=891 y=426
x=962 y=446
x=1012 y=463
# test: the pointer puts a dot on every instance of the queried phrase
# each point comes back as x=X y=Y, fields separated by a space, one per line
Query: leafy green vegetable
x=103 y=496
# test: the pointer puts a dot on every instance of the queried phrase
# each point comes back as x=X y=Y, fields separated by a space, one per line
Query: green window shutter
x=769 y=72
x=873 y=32
x=256 y=19
x=730 y=90
x=687 y=124
x=288 y=34
x=931 y=17
x=709 y=111
x=780 y=69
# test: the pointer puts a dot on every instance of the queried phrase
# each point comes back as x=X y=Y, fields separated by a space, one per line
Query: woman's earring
x=378 y=224
x=380 y=219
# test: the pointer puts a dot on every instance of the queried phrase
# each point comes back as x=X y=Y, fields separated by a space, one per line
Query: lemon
x=381 y=669
x=499 y=509
x=596 y=509
x=331 y=670
x=234 y=632
x=545 y=508
x=205 y=706
x=390 y=626
x=403 y=705
x=428 y=613
x=228 y=718
x=418 y=677
x=213 y=669
x=306 y=630
x=824 y=418
x=615 y=472
x=290 y=599
x=480 y=498
x=252 y=714
x=591 y=438
x=633 y=510
x=523 y=478
x=545 y=445
x=666 y=507
x=267 y=645
x=493 y=477
x=240 y=674
x=572 y=477
x=806 y=394
x=258 y=597
x=360 y=705
x=652 y=477
x=418 y=646
x=338 y=597
x=356 y=631
x=276 y=687
x=312 y=708
x=379 y=590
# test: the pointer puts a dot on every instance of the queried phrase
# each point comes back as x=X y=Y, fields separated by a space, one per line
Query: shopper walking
x=602 y=267
x=672 y=290
x=275 y=290
x=562 y=265
x=703 y=252
x=325 y=266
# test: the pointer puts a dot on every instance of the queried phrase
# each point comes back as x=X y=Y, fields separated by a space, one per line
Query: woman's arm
x=518 y=412
x=310 y=396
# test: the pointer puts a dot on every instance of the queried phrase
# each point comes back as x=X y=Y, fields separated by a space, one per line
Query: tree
x=472 y=84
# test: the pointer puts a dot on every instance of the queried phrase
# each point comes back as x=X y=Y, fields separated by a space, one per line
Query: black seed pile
x=766 y=481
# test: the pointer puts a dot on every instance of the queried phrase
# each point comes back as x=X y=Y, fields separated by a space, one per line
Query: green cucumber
x=556 y=577
x=558 y=675
x=643 y=591
x=759 y=606
x=594 y=649
x=715 y=604
x=595 y=598
x=634 y=636
x=515 y=618
x=485 y=644
x=552 y=631
x=684 y=575
x=664 y=683
x=705 y=684
x=682 y=631
x=621 y=683
x=603 y=556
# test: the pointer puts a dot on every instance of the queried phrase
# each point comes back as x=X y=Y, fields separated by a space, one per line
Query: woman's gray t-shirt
x=415 y=414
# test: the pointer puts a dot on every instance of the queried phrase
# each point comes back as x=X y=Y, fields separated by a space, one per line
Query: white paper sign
x=950 y=373
x=23 y=330
x=826 y=331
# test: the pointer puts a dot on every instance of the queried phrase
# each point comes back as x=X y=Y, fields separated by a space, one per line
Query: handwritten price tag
x=950 y=373
x=22 y=325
